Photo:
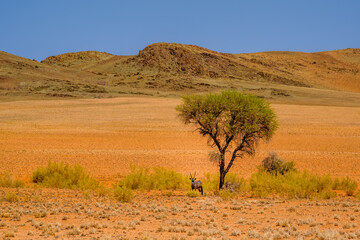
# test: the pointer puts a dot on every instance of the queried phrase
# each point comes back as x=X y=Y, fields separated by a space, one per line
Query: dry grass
x=153 y=214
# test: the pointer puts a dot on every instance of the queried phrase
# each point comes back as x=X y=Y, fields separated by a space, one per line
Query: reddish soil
x=106 y=136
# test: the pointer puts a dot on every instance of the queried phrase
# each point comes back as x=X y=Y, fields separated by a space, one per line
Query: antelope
x=197 y=185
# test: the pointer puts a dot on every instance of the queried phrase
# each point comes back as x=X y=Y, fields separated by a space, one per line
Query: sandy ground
x=66 y=214
x=106 y=136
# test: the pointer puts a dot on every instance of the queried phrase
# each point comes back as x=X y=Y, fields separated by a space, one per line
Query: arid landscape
x=106 y=136
x=108 y=113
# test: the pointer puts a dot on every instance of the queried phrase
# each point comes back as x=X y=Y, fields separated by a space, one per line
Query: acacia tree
x=233 y=121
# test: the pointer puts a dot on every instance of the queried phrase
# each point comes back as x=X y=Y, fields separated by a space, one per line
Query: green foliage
x=60 y=175
x=193 y=193
x=229 y=113
x=123 y=194
x=159 y=179
x=346 y=184
x=275 y=165
x=292 y=185
x=11 y=197
x=233 y=182
x=8 y=182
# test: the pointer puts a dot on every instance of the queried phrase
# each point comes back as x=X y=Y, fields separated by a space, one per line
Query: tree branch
x=234 y=155
x=213 y=136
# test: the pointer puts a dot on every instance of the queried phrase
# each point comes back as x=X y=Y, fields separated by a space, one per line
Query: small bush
x=11 y=197
x=123 y=194
x=192 y=193
x=8 y=182
x=346 y=184
x=60 y=175
x=159 y=179
x=275 y=165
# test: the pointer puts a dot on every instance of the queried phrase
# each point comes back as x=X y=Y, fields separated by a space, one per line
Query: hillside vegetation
x=168 y=69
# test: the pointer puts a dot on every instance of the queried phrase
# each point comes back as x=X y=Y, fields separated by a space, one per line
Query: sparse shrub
x=11 y=197
x=275 y=165
x=7 y=181
x=123 y=194
x=60 y=175
x=235 y=232
x=40 y=214
x=159 y=179
x=192 y=193
x=9 y=234
x=74 y=231
x=346 y=184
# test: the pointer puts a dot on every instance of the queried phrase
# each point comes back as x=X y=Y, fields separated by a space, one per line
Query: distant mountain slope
x=338 y=69
x=165 y=69
x=334 y=70
x=78 y=59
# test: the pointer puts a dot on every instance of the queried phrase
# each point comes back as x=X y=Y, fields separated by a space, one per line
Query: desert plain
x=107 y=136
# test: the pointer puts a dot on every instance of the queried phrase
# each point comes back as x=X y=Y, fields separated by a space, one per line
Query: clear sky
x=41 y=28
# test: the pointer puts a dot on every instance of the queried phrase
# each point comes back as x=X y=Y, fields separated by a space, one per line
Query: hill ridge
x=176 y=69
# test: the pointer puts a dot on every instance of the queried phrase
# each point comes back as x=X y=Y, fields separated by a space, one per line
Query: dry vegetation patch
x=64 y=213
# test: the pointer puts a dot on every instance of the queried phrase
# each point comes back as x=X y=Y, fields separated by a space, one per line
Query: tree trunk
x=222 y=171
x=222 y=180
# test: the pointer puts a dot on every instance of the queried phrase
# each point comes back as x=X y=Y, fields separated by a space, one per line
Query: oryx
x=196 y=185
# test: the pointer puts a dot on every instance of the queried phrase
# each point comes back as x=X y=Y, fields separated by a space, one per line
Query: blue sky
x=41 y=28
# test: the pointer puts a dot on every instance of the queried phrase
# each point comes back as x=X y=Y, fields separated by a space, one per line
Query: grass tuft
x=193 y=193
x=11 y=197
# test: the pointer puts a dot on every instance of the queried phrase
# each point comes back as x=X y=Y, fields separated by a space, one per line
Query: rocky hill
x=78 y=59
x=165 y=69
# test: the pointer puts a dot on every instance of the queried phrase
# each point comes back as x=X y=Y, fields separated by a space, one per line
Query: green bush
x=275 y=165
x=233 y=182
x=159 y=179
x=192 y=193
x=123 y=194
x=60 y=175
x=8 y=182
x=292 y=185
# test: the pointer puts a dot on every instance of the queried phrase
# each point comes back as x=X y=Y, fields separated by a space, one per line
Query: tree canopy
x=232 y=120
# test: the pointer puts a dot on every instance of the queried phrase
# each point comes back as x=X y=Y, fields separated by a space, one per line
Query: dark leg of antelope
x=201 y=190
